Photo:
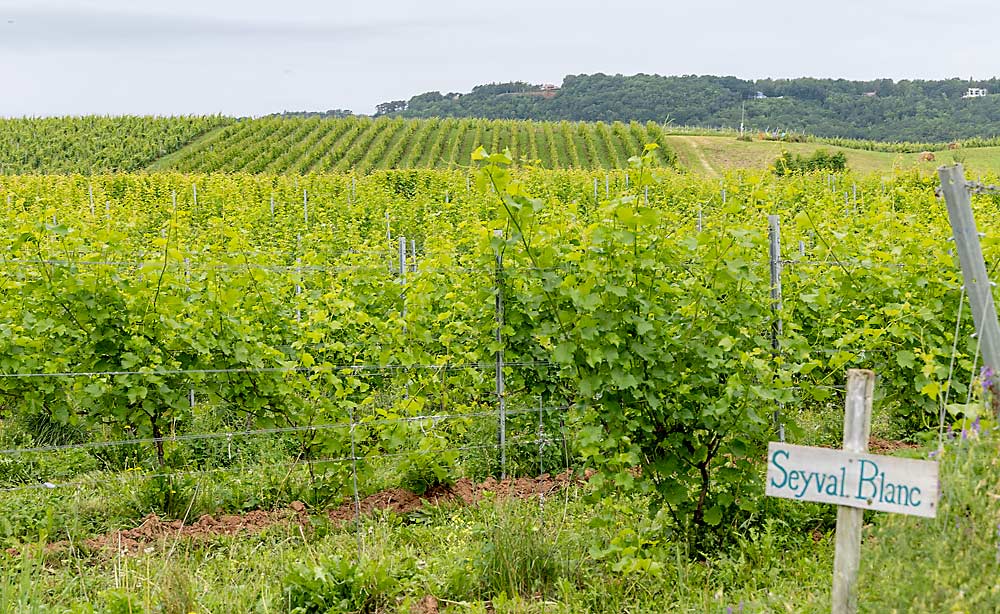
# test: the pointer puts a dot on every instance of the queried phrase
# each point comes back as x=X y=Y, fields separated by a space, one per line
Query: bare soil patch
x=153 y=529
x=463 y=492
x=877 y=445
x=427 y=605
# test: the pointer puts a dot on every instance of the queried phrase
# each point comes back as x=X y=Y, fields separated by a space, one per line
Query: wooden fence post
x=847 y=558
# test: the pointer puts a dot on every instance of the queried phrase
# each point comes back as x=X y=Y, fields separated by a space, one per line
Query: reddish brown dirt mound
x=427 y=605
x=153 y=529
x=877 y=445
x=463 y=492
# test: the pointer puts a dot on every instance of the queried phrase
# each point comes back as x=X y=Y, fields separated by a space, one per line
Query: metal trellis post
x=501 y=393
x=970 y=255
x=774 y=236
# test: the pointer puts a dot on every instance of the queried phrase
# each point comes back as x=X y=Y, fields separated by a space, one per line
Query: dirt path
x=167 y=160
x=693 y=150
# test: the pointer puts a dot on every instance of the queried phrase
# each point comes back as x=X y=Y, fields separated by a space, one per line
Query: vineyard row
x=364 y=145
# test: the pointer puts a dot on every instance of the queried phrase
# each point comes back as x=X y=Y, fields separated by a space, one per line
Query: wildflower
x=986 y=378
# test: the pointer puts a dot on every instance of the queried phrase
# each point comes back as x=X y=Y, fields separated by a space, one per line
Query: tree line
x=881 y=109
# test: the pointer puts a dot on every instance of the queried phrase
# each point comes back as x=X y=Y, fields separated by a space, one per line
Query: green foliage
x=45 y=431
x=947 y=564
x=670 y=390
x=26 y=468
x=460 y=555
x=136 y=327
x=820 y=160
x=18 y=589
x=430 y=465
x=516 y=557
x=169 y=496
x=122 y=602
x=884 y=110
x=94 y=144
x=655 y=333
x=533 y=555
x=335 y=584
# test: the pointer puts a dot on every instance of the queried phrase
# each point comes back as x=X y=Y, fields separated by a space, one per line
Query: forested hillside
x=882 y=109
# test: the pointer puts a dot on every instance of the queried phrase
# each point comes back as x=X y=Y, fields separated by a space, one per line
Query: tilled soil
x=427 y=605
x=877 y=445
x=153 y=529
x=464 y=492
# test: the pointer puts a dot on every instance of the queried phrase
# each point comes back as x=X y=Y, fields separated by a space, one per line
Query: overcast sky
x=253 y=57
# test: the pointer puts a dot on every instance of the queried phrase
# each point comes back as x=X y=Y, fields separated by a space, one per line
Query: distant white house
x=976 y=92
x=759 y=96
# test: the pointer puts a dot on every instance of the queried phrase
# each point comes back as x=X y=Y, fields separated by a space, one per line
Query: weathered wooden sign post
x=855 y=481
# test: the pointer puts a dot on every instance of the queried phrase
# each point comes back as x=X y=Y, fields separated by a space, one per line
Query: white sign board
x=866 y=481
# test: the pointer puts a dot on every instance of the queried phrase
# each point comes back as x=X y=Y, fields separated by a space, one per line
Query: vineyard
x=94 y=144
x=90 y=145
x=229 y=342
x=364 y=145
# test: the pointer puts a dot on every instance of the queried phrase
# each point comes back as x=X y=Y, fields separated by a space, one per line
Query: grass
x=511 y=556
x=712 y=156
x=542 y=556
x=951 y=563
x=167 y=161
x=562 y=553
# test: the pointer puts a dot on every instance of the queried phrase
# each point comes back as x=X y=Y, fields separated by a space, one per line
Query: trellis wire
x=134 y=475
x=434 y=418
x=951 y=370
x=540 y=439
x=356 y=368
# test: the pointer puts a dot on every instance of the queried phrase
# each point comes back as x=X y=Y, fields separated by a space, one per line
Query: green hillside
x=713 y=155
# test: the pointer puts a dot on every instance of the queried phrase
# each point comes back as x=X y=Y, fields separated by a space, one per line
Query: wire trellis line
x=196 y=266
x=277 y=430
x=862 y=264
x=193 y=265
x=359 y=368
x=136 y=475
